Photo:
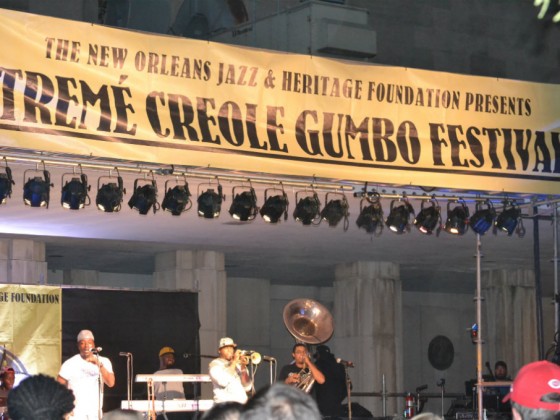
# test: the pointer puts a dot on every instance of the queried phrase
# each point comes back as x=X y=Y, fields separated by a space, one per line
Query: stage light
x=307 y=209
x=509 y=220
x=399 y=216
x=6 y=182
x=36 y=191
x=371 y=215
x=457 y=222
x=429 y=218
x=335 y=210
x=483 y=218
x=177 y=199
x=244 y=205
x=210 y=202
x=274 y=206
x=74 y=195
x=110 y=195
x=144 y=196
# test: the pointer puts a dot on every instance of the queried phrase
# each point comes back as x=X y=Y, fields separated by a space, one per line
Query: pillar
x=22 y=261
x=368 y=329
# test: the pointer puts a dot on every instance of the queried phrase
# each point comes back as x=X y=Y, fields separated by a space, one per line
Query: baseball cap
x=165 y=350
x=85 y=335
x=226 y=341
x=533 y=382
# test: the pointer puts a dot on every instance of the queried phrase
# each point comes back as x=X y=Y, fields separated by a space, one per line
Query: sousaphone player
x=302 y=372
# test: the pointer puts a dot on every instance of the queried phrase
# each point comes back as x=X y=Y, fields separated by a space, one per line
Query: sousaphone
x=309 y=322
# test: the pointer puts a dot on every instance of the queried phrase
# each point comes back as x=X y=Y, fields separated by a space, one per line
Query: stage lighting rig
x=509 y=220
x=371 y=214
x=336 y=209
x=110 y=195
x=210 y=201
x=399 y=216
x=36 y=190
x=457 y=222
x=275 y=206
x=483 y=217
x=177 y=199
x=244 y=204
x=74 y=195
x=429 y=217
x=6 y=183
x=144 y=197
x=307 y=209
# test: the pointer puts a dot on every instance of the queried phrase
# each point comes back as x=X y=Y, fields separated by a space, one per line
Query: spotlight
x=429 y=218
x=483 y=218
x=6 y=182
x=399 y=216
x=244 y=205
x=274 y=206
x=307 y=209
x=509 y=220
x=36 y=191
x=110 y=195
x=144 y=196
x=177 y=199
x=210 y=202
x=74 y=194
x=335 y=210
x=371 y=215
x=457 y=222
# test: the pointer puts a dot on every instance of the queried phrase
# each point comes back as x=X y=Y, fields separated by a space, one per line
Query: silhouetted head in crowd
x=40 y=397
x=120 y=414
x=281 y=402
x=224 y=411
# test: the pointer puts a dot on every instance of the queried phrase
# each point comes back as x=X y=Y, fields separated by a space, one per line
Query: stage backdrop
x=137 y=322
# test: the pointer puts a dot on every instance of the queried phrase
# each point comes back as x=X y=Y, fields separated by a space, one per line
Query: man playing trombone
x=229 y=374
x=302 y=373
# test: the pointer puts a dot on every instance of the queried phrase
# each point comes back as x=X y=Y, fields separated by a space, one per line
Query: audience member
x=535 y=392
x=230 y=410
x=281 y=402
x=40 y=397
x=121 y=414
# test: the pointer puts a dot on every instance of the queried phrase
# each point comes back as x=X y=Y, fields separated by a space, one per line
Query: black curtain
x=138 y=322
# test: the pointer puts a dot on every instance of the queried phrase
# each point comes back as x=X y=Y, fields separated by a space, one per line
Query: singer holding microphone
x=85 y=374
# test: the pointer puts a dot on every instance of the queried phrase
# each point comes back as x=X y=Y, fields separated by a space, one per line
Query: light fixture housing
x=110 y=195
x=74 y=195
x=275 y=206
x=36 y=190
x=210 y=202
x=371 y=215
x=144 y=197
x=457 y=222
x=483 y=217
x=308 y=208
x=244 y=204
x=428 y=218
x=177 y=199
x=509 y=220
x=6 y=183
x=398 y=219
x=336 y=209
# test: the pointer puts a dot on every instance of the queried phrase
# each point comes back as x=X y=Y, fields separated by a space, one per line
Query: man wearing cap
x=168 y=390
x=230 y=378
x=535 y=392
x=82 y=373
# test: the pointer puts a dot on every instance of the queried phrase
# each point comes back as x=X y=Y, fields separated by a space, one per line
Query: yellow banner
x=86 y=89
x=30 y=329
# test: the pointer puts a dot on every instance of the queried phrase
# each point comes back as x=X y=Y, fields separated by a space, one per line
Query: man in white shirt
x=85 y=374
x=230 y=378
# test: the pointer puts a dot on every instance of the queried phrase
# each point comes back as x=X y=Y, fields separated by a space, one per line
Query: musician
x=293 y=373
x=501 y=371
x=229 y=375
x=168 y=390
x=8 y=377
x=81 y=373
x=330 y=394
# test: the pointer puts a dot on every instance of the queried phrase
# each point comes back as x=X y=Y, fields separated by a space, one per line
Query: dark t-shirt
x=291 y=368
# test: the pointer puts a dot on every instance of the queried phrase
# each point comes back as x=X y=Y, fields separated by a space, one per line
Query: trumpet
x=249 y=356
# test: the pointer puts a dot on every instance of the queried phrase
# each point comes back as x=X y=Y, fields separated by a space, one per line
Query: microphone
x=421 y=388
x=187 y=355
x=269 y=358
x=96 y=350
x=125 y=354
x=345 y=363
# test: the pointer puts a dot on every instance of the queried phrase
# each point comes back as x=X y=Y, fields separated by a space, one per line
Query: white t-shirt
x=83 y=380
x=169 y=390
x=227 y=384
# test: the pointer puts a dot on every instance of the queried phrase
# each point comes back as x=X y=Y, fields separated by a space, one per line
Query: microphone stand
x=441 y=383
x=99 y=388
x=348 y=391
x=129 y=376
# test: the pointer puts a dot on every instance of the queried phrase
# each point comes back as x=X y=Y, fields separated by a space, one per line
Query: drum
x=409 y=406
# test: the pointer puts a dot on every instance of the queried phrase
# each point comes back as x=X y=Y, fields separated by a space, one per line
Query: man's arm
x=62 y=381
x=314 y=370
